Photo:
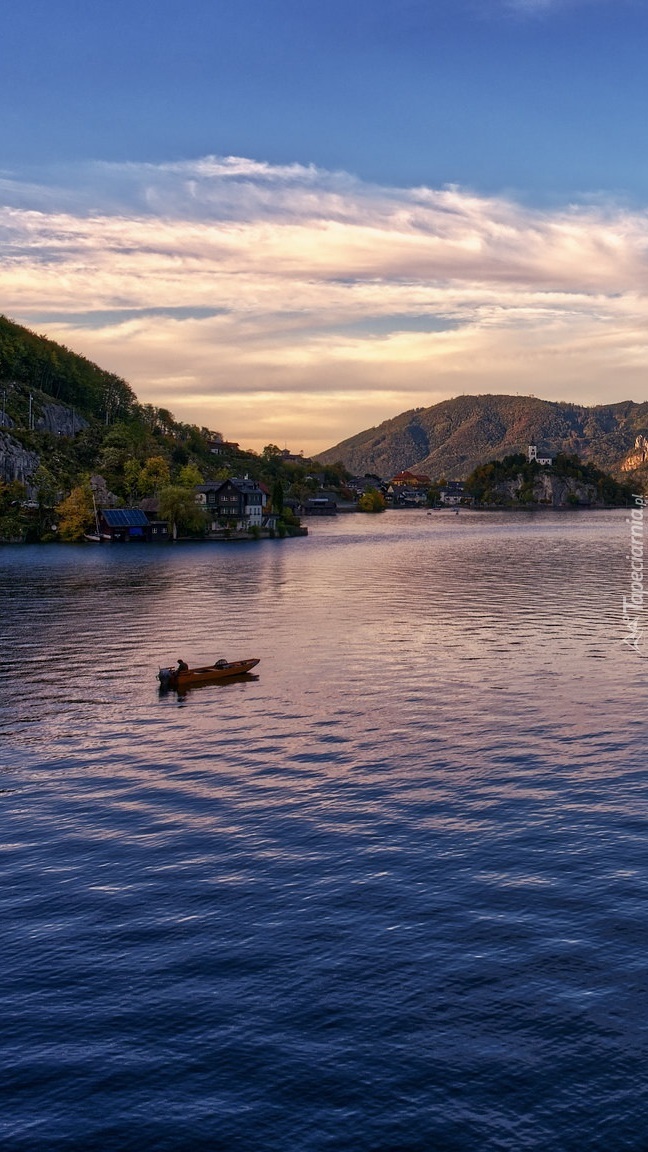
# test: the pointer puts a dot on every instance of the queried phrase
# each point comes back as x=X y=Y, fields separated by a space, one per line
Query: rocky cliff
x=637 y=457
x=20 y=463
x=16 y=462
x=59 y=420
x=550 y=491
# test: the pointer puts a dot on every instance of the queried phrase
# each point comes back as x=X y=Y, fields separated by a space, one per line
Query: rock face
x=453 y=438
x=60 y=420
x=16 y=462
x=550 y=491
x=637 y=457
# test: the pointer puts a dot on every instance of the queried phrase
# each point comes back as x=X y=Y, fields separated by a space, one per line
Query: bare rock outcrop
x=548 y=490
x=16 y=462
x=637 y=457
x=60 y=420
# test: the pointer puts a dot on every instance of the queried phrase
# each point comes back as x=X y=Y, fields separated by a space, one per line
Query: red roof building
x=412 y=480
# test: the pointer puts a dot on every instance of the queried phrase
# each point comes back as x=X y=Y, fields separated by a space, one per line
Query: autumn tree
x=76 y=513
x=189 y=476
x=132 y=478
x=372 y=501
x=154 y=475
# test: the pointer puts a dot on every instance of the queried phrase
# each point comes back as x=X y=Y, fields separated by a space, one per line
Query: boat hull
x=171 y=678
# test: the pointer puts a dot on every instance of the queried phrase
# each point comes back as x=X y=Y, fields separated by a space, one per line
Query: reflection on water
x=387 y=893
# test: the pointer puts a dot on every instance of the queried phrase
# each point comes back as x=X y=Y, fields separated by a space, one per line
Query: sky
x=289 y=220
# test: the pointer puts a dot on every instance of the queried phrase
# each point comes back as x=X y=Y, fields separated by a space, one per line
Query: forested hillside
x=454 y=437
x=43 y=365
x=67 y=426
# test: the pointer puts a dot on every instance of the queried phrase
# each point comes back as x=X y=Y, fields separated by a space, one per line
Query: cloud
x=538 y=7
x=294 y=304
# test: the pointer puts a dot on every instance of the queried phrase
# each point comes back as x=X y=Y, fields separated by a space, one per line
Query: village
x=243 y=508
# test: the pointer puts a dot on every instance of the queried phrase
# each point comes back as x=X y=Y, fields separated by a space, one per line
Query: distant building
x=219 y=447
x=453 y=493
x=533 y=455
x=411 y=480
x=405 y=496
x=320 y=506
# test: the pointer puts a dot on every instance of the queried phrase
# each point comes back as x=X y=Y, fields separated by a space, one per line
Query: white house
x=533 y=455
x=453 y=493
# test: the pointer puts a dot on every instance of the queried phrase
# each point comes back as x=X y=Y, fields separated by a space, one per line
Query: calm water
x=389 y=896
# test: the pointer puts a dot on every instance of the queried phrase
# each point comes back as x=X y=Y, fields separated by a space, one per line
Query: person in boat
x=182 y=666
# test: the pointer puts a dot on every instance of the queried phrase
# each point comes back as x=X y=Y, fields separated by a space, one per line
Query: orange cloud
x=299 y=305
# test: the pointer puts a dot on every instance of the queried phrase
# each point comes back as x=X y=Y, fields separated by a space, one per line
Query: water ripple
x=388 y=896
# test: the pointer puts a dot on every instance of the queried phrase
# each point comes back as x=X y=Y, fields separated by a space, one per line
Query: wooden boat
x=208 y=674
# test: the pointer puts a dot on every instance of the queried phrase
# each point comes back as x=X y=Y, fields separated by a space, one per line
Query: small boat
x=208 y=674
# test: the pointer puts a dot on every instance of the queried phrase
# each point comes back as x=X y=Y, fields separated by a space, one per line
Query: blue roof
x=124 y=517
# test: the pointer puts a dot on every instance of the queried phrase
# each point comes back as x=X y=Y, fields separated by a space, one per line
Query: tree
x=46 y=487
x=372 y=501
x=155 y=475
x=270 y=452
x=277 y=496
x=189 y=476
x=76 y=513
x=111 y=460
x=178 y=506
x=47 y=493
x=132 y=478
x=12 y=521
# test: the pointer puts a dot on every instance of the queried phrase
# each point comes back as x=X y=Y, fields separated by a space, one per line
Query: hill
x=63 y=418
x=69 y=426
x=454 y=437
x=63 y=376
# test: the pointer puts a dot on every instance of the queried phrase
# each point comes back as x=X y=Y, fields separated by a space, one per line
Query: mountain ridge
x=452 y=438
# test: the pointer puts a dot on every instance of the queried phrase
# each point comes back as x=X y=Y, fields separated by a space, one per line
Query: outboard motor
x=164 y=676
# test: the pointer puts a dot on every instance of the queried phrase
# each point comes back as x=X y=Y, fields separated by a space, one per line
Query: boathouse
x=123 y=525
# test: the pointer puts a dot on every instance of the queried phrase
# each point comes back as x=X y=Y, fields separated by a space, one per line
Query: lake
x=388 y=895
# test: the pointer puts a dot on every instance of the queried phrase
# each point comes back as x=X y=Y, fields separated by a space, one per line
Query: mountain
x=454 y=437
x=63 y=418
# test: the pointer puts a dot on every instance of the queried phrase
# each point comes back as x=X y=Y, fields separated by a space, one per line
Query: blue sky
x=547 y=99
x=350 y=121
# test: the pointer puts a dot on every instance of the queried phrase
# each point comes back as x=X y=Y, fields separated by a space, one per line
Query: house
x=452 y=493
x=320 y=506
x=406 y=495
x=239 y=500
x=215 y=442
x=411 y=480
x=219 y=447
x=358 y=485
x=533 y=455
x=124 y=525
